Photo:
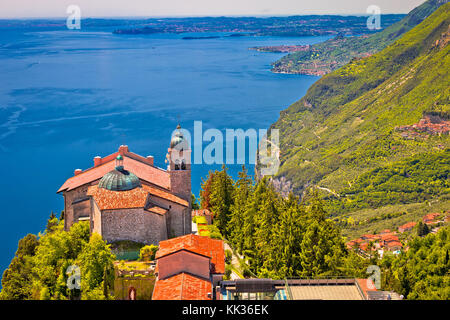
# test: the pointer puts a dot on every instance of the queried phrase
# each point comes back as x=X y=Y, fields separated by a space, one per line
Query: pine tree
x=266 y=219
x=52 y=222
x=194 y=203
x=244 y=188
x=288 y=234
x=221 y=199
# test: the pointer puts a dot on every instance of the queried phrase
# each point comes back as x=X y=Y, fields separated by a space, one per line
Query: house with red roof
x=125 y=196
x=393 y=246
x=430 y=218
x=188 y=268
x=406 y=227
x=203 y=213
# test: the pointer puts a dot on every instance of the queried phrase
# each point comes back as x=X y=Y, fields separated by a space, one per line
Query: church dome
x=178 y=139
x=119 y=180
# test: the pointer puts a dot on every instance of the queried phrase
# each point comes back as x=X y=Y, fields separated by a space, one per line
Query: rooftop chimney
x=77 y=171
x=150 y=160
x=97 y=161
x=123 y=149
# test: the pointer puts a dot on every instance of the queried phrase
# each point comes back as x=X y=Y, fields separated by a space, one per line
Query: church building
x=125 y=196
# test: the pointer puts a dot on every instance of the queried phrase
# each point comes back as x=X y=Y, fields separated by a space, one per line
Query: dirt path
x=234 y=262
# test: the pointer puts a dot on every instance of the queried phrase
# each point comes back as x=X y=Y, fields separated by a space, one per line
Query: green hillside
x=332 y=54
x=341 y=136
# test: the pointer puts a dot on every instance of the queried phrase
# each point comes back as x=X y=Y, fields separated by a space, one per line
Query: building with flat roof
x=302 y=289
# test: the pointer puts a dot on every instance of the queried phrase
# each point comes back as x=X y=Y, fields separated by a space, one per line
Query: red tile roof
x=389 y=237
x=408 y=225
x=369 y=236
x=182 y=286
x=366 y=285
x=109 y=200
x=364 y=246
x=393 y=244
x=206 y=246
x=165 y=195
x=157 y=210
x=132 y=162
x=430 y=216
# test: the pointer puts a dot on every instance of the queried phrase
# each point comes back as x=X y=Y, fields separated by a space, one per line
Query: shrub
x=148 y=253
x=227 y=272
x=228 y=256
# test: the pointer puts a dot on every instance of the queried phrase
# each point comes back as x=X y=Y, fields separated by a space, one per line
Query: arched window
x=183 y=165
x=131 y=293
x=177 y=165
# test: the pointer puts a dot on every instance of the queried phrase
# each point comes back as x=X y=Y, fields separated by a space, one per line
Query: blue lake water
x=67 y=96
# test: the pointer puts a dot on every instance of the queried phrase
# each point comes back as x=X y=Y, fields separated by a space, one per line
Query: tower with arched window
x=179 y=169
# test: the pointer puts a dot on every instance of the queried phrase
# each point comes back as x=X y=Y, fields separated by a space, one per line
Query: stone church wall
x=177 y=223
x=70 y=217
x=133 y=224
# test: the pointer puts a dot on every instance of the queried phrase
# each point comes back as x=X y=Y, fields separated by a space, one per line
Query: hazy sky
x=103 y=8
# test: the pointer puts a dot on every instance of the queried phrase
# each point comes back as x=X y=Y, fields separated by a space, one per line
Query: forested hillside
x=330 y=55
x=278 y=237
x=346 y=129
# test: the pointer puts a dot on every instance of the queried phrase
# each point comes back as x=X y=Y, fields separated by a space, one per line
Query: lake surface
x=68 y=96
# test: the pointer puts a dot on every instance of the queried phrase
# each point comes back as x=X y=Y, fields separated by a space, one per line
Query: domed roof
x=119 y=180
x=177 y=139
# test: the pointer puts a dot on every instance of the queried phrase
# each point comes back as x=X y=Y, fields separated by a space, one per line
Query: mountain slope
x=346 y=124
x=332 y=54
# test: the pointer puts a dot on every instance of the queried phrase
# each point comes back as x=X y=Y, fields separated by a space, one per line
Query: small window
x=132 y=294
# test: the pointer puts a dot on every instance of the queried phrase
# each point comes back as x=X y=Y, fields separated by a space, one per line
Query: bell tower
x=179 y=168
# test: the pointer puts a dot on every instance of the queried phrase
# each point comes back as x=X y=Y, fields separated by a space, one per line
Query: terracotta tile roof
x=131 y=162
x=182 y=286
x=157 y=210
x=198 y=244
x=407 y=225
x=430 y=216
x=364 y=246
x=369 y=236
x=366 y=285
x=165 y=195
x=389 y=237
x=109 y=200
x=393 y=244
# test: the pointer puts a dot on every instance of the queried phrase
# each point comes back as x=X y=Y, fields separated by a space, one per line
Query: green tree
x=288 y=235
x=95 y=258
x=54 y=250
x=422 y=229
x=17 y=279
x=244 y=187
x=195 y=205
x=221 y=199
x=52 y=223
x=147 y=253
